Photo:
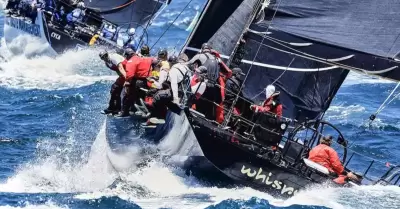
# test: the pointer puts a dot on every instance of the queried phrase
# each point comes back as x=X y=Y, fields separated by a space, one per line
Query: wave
x=356 y=78
x=57 y=171
x=69 y=70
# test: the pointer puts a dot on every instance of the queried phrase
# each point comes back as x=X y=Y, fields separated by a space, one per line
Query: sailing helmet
x=81 y=5
x=237 y=72
x=131 y=32
x=129 y=52
x=103 y=55
x=145 y=50
x=163 y=54
x=205 y=47
x=173 y=59
x=269 y=91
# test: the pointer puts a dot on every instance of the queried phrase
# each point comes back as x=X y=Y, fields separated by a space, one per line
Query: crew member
x=212 y=93
x=233 y=90
x=108 y=32
x=178 y=72
x=326 y=156
x=144 y=51
x=163 y=69
x=76 y=15
x=129 y=41
x=158 y=106
x=137 y=70
x=271 y=104
x=116 y=63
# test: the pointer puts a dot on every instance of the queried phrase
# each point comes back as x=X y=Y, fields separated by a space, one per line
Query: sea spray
x=61 y=173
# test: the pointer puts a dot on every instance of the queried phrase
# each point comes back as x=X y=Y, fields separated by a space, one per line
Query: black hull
x=242 y=165
x=57 y=39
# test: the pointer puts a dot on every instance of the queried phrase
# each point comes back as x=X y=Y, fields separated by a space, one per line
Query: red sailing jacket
x=268 y=107
x=138 y=67
x=327 y=157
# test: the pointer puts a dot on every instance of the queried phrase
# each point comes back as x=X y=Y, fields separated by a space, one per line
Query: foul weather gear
x=327 y=157
x=138 y=67
x=272 y=105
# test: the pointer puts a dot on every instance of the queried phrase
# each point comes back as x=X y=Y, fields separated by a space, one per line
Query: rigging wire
x=165 y=31
x=275 y=79
x=385 y=103
x=258 y=50
x=147 y=26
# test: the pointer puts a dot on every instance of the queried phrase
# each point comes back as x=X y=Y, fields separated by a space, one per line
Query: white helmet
x=131 y=32
x=80 y=5
x=269 y=91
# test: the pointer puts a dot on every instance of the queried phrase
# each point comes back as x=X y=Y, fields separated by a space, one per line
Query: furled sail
x=126 y=12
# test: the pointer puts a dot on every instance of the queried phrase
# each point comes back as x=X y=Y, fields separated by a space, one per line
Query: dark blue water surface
x=52 y=152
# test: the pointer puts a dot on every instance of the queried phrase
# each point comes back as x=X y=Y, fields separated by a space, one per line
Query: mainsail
x=306 y=48
x=127 y=12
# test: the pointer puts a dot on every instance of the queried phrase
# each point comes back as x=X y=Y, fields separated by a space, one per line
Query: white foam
x=356 y=78
x=69 y=70
x=158 y=186
x=51 y=174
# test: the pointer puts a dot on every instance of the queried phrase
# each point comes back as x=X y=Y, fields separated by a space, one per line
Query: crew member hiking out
x=116 y=63
x=326 y=156
x=137 y=70
x=272 y=103
x=158 y=106
x=213 y=93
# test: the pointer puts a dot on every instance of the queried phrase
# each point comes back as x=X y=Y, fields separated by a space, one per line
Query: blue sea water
x=53 y=152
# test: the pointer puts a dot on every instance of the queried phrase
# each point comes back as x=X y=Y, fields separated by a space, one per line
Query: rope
x=385 y=103
x=145 y=28
x=247 y=75
x=171 y=24
x=276 y=78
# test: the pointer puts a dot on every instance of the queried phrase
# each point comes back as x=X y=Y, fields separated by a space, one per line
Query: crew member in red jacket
x=326 y=156
x=271 y=104
x=137 y=70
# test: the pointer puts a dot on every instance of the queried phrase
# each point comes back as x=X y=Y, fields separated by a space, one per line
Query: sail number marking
x=55 y=35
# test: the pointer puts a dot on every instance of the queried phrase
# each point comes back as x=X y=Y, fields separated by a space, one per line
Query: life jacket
x=197 y=87
x=212 y=66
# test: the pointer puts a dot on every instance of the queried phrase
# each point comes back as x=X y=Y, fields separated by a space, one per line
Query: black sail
x=126 y=12
x=221 y=23
x=307 y=47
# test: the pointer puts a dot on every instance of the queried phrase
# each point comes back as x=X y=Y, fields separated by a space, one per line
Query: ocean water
x=54 y=151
